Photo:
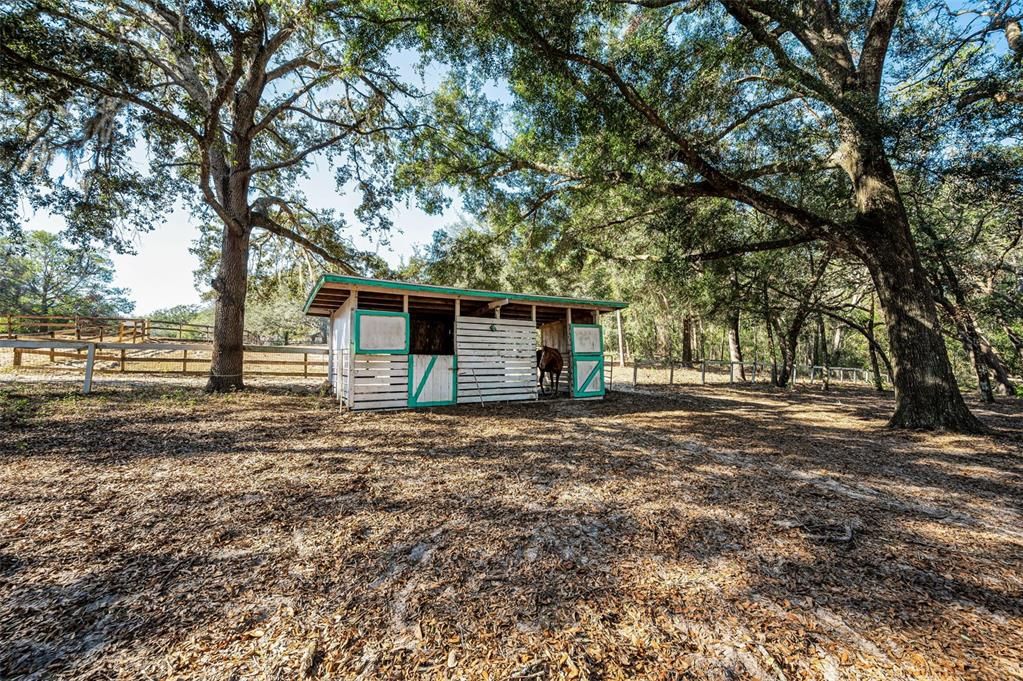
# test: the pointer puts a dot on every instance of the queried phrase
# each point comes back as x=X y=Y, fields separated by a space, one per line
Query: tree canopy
x=44 y=275
x=232 y=101
x=646 y=113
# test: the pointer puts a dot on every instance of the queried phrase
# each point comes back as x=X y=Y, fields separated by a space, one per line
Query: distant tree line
x=41 y=274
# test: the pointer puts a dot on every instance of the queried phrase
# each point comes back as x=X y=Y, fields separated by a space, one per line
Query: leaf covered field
x=704 y=533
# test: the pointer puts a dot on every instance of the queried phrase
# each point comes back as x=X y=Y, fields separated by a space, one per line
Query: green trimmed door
x=587 y=360
x=432 y=380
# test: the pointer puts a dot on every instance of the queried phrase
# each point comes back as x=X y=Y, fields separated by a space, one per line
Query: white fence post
x=90 y=359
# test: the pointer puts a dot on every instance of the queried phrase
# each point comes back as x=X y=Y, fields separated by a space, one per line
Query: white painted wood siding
x=379 y=381
x=341 y=350
x=496 y=359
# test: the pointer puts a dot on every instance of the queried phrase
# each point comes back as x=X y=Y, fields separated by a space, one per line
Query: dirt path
x=704 y=533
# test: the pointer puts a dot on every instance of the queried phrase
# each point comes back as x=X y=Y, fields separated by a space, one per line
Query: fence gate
x=587 y=360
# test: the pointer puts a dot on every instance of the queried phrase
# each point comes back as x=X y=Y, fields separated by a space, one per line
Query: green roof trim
x=450 y=290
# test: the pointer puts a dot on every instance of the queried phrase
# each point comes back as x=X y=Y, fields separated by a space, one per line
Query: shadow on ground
x=702 y=532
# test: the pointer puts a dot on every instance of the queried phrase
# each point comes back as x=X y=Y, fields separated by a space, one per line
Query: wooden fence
x=168 y=358
x=104 y=329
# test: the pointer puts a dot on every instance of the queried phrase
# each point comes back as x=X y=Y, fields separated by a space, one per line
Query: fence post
x=122 y=360
x=794 y=374
x=184 y=361
x=754 y=372
x=305 y=364
x=703 y=372
x=671 y=372
x=611 y=375
x=635 y=371
x=731 y=372
x=17 y=357
x=89 y=360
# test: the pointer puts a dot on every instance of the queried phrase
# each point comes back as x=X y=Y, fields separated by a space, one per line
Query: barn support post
x=457 y=313
x=90 y=359
x=621 y=338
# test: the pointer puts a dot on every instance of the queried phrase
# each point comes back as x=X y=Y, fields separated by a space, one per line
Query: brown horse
x=550 y=362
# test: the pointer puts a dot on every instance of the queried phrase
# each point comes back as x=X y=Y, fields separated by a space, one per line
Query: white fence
x=665 y=372
x=160 y=358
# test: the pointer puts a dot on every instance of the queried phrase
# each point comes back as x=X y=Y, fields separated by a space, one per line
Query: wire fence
x=640 y=372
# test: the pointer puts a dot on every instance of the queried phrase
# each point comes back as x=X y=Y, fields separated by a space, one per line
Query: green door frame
x=597 y=357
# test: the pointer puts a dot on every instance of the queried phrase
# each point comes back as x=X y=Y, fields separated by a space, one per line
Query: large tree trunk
x=1015 y=339
x=959 y=312
x=734 y=343
x=825 y=355
x=970 y=339
x=1006 y=386
x=229 y=322
x=837 y=336
x=874 y=365
x=926 y=393
x=687 y=341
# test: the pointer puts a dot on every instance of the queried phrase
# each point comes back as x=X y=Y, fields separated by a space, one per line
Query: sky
x=160 y=273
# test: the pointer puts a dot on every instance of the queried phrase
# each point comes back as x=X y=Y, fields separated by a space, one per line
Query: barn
x=395 y=344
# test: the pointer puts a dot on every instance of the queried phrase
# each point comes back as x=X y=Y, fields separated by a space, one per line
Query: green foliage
x=42 y=274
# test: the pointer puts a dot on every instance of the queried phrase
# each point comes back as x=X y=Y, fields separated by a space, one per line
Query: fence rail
x=669 y=372
x=161 y=358
x=104 y=329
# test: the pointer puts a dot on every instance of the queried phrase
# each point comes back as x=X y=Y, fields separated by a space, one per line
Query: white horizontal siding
x=496 y=359
x=379 y=381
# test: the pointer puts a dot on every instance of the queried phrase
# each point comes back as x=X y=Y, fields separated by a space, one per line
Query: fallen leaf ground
x=699 y=532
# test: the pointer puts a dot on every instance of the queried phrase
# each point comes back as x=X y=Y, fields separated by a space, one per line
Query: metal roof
x=334 y=282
